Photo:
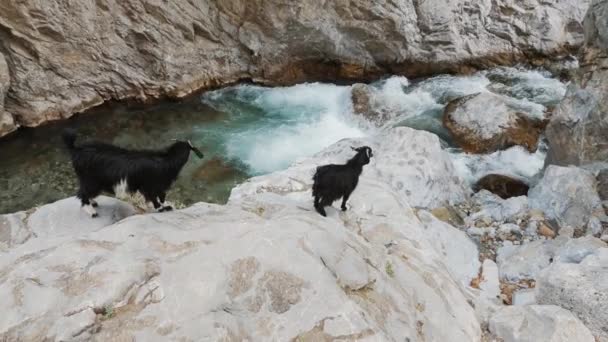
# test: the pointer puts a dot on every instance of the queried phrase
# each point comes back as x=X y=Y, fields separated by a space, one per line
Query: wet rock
x=538 y=323
x=567 y=195
x=537 y=86
x=581 y=288
x=159 y=49
x=7 y=123
x=367 y=104
x=503 y=186
x=484 y=123
x=361 y=96
x=578 y=131
x=216 y=170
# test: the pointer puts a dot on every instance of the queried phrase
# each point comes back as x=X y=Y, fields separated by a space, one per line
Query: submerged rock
x=503 y=186
x=216 y=170
x=567 y=195
x=578 y=131
x=361 y=96
x=484 y=123
x=548 y=323
x=158 y=49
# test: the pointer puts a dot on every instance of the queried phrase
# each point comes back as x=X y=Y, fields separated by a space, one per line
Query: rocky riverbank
x=267 y=267
x=58 y=58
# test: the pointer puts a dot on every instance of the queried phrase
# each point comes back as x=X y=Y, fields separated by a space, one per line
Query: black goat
x=332 y=182
x=106 y=168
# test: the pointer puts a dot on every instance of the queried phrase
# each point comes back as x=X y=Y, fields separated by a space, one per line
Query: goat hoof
x=343 y=208
x=95 y=215
x=167 y=208
x=94 y=204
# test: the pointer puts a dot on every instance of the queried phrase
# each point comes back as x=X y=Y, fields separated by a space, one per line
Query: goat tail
x=69 y=138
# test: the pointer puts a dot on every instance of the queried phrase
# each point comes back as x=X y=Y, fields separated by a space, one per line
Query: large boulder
x=547 y=323
x=569 y=196
x=411 y=162
x=529 y=260
x=485 y=122
x=581 y=288
x=265 y=266
x=59 y=220
x=578 y=131
x=86 y=52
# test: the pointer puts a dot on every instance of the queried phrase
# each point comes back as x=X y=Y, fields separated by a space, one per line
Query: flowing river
x=248 y=130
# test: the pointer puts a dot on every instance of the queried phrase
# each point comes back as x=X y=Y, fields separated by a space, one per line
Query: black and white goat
x=332 y=182
x=102 y=167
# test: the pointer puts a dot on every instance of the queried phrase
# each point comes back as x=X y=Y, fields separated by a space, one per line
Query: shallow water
x=249 y=130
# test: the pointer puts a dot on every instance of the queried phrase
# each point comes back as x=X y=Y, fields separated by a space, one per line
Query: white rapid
x=273 y=127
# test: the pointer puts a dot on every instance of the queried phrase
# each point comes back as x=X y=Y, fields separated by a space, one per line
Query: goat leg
x=344 y=199
x=85 y=201
x=161 y=199
x=155 y=202
x=321 y=211
x=319 y=207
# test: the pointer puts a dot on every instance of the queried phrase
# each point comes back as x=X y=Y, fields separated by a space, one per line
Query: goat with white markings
x=332 y=182
x=102 y=167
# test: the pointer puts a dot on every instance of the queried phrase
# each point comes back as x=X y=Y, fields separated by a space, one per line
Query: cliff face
x=578 y=132
x=65 y=57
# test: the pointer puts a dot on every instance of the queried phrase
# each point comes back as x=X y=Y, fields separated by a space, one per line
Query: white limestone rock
x=528 y=260
x=535 y=323
x=265 y=266
x=568 y=195
x=61 y=219
x=581 y=288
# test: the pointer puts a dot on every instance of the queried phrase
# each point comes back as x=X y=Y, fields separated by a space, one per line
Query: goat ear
x=354 y=149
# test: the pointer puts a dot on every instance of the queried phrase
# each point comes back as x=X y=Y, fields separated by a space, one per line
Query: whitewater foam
x=292 y=122
x=273 y=127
